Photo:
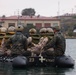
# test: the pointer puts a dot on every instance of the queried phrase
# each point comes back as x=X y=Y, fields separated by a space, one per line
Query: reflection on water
x=70 y=50
x=36 y=71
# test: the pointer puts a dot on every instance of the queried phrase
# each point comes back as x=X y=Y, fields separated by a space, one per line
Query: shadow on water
x=8 y=70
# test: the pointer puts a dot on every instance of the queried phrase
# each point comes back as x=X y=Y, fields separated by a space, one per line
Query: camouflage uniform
x=58 y=45
x=17 y=44
x=37 y=49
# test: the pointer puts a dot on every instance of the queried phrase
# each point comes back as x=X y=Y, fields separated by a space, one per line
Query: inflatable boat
x=24 y=62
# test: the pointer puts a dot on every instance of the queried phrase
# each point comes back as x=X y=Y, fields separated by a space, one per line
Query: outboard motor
x=19 y=61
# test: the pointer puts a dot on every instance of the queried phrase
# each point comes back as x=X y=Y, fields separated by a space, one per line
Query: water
x=70 y=50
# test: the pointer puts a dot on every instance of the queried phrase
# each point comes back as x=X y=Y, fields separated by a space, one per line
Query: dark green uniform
x=58 y=43
x=17 y=44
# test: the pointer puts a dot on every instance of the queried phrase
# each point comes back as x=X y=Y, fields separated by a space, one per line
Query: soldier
x=30 y=38
x=3 y=31
x=37 y=48
x=56 y=47
x=17 y=44
x=49 y=33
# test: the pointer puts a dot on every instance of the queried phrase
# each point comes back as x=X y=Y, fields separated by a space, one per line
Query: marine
x=56 y=47
x=17 y=44
x=37 y=48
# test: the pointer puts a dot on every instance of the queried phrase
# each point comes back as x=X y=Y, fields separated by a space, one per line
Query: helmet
x=11 y=29
x=3 y=29
x=43 y=30
x=19 y=28
x=49 y=30
x=32 y=31
x=56 y=28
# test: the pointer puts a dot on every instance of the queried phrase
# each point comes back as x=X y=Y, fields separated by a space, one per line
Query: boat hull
x=22 y=61
x=61 y=61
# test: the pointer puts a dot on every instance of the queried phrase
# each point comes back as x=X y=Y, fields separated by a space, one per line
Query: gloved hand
x=8 y=52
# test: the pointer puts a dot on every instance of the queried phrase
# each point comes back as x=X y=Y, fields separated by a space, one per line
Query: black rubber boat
x=22 y=61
